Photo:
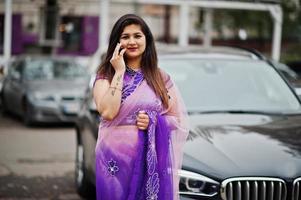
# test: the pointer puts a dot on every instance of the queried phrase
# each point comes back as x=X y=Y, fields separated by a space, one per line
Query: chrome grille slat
x=238 y=191
x=296 y=189
x=263 y=191
x=254 y=188
x=271 y=191
x=279 y=191
x=247 y=191
x=255 y=196
x=230 y=192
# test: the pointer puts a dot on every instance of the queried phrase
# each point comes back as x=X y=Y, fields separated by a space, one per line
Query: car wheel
x=3 y=104
x=26 y=114
x=84 y=187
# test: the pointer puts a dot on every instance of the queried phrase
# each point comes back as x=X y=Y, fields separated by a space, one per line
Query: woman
x=143 y=127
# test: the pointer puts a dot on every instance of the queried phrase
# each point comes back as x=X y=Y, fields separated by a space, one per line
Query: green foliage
x=291 y=19
x=258 y=24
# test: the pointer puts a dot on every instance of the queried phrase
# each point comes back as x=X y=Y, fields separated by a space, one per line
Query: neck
x=134 y=64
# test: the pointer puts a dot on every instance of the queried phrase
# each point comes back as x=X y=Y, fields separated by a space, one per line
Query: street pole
x=184 y=25
x=7 y=30
x=277 y=15
x=208 y=27
x=103 y=25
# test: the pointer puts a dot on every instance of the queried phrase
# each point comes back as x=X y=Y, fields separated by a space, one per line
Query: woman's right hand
x=117 y=59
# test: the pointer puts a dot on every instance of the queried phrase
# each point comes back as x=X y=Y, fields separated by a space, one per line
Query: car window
x=289 y=74
x=15 y=69
x=53 y=69
x=208 y=85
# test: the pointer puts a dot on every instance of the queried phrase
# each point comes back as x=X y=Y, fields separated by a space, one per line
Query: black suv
x=245 y=133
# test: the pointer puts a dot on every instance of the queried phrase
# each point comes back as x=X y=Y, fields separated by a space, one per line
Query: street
x=36 y=162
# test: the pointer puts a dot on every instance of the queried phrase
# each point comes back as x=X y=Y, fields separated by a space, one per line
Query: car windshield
x=236 y=85
x=53 y=69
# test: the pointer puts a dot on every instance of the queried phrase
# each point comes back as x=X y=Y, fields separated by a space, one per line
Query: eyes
x=136 y=36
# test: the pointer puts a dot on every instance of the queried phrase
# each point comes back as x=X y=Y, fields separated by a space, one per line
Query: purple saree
x=136 y=165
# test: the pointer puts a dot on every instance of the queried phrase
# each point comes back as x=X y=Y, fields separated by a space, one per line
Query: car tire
x=84 y=186
x=3 y=104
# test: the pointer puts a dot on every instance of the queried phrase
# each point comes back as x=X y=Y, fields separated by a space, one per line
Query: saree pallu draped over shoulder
x=141 y=165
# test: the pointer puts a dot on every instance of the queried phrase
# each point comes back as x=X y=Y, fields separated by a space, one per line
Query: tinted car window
x=15 y=69
x=209 y=85
x=52 y=69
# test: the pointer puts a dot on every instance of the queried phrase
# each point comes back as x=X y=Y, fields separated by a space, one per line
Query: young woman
x=143 y=126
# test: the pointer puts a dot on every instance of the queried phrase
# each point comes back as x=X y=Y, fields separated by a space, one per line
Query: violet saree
x=136 y=165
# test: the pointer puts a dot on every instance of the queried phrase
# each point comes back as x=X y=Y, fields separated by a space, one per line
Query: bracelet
x=116 y=88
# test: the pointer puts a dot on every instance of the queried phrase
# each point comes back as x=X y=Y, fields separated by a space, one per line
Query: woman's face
x=133 y=39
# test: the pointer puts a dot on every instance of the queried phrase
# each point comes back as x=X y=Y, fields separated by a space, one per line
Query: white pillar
x=277 y=15
x=184 y=25
x=7 y=29
x=103 y=25
x=208 y=27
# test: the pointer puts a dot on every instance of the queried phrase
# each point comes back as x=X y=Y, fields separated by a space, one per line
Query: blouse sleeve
x=99 y=76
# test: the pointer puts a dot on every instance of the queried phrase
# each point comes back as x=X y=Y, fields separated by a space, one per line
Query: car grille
x=66 y=98
x=297 y=189
x=253 y=188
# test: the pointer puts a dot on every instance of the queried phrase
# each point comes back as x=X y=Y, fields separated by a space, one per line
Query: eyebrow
x=129 y=33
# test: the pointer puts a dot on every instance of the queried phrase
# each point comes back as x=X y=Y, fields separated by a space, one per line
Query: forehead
x=132 y=28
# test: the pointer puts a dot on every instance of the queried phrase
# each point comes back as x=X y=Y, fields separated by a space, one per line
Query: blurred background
x=72 y=27
x=66 y=38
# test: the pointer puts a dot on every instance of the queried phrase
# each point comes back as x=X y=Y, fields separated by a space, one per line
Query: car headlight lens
x=195 y=184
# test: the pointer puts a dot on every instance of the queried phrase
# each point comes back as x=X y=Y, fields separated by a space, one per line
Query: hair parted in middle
x=149 y=61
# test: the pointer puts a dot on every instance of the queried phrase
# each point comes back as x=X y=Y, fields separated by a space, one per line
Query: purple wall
x=30 y=38
x=88 y=37
x=17 y=38
x=89 y=42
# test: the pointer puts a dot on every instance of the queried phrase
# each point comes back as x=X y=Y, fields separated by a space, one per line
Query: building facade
x=72 y=26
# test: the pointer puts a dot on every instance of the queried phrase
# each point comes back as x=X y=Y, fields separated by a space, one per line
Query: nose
x=132 y=40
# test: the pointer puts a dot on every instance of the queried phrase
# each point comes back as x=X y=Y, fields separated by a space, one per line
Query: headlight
x=43 y=97
x=195 y=184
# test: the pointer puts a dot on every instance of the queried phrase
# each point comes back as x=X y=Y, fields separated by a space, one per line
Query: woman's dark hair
x=149 y=61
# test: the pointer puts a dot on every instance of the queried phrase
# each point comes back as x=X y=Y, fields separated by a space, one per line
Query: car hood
x=73 y=86
x=230 y=145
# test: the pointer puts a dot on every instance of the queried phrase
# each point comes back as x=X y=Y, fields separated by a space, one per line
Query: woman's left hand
x=142 y=120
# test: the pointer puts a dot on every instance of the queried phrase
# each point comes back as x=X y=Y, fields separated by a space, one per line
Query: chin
x=133 y=55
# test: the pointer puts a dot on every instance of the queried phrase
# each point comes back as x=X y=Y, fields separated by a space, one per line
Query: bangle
x=116 y=88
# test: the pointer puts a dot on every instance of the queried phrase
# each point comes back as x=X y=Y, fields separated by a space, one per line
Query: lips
x=132 y=49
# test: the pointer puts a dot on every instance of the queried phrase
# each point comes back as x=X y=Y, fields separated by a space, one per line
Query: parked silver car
x=44 y=89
